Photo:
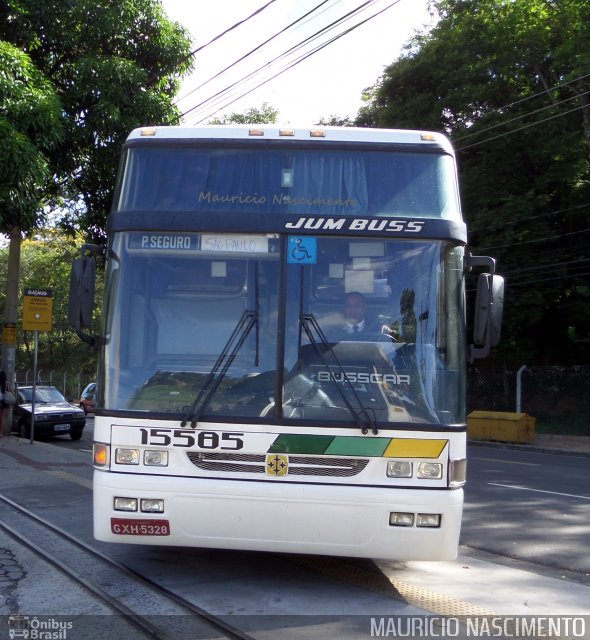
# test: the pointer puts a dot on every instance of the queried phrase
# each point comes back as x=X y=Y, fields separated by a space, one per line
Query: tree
x=114 y=66
x=509 y=83
x=264 y=115
x=30 y=127
x=94 y=70
x=336 y=121
x=45 y=264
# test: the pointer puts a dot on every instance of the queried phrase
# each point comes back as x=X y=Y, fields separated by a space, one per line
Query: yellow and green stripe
x=357 y=446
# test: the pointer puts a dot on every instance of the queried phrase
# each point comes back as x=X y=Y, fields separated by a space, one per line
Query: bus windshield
x=231 y=320
x=290 y=181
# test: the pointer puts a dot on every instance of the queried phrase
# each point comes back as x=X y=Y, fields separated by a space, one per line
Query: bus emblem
x=277 y=465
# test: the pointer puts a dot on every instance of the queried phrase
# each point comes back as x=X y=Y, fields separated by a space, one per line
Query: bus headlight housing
x=125 y=504
x=429 y=471
x=127 y=456
x=401 y=519
x=155 y=458
x=151 y=505
x=399 y=469
x=430 y=520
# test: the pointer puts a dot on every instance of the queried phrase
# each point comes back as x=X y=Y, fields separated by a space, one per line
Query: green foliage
x=113 y=66
x=336 y=121
x=264 y=115
x=509 y=83
x=30 y=126
x=45 y=264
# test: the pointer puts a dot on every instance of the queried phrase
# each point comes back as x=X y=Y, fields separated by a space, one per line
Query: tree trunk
x=11 y=318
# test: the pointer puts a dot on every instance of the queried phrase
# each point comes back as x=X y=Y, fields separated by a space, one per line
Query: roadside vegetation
x=508 y=81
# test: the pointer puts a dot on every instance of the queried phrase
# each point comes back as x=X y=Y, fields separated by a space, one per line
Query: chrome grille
x=228 y=462
x=60 y=416
x=326 y=466
x=298 y=465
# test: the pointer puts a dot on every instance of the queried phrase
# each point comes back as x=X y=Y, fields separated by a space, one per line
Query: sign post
x=37 y=316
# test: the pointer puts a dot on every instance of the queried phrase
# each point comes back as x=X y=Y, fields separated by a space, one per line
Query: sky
x=327 y=83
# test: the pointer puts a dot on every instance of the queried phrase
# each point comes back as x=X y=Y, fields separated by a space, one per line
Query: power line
x=235 y=26
x=268 y=64
x=520 y=283
x=514 y=244
x=302 y=58
x=524 y=115
x=564 y=252
x=233 y=64
x=562 y=255
x=512 y=104
x=290 y=51
x=541 y=215
x=545 y=266
x=510 y=284
x=526 y=126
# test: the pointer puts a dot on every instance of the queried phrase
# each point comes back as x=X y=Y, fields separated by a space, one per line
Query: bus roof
x=276 y=132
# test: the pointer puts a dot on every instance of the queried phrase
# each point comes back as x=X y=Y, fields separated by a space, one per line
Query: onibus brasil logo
x=35 y=628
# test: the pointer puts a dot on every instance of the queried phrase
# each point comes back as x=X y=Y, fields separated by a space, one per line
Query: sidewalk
x=50 y=480
x=57 y=480
x=544 y=442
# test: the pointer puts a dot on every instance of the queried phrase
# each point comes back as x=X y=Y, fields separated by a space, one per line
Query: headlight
x=401 y=519
x=151 y=505
x=40 y=418
x=127 y=456
x=155 y=458
x=125 y=504
x=430 y=520
x=399 y=469
x=429 y=470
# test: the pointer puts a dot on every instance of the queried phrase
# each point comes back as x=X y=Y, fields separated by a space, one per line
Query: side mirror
x=489 y=304
x=82 y=287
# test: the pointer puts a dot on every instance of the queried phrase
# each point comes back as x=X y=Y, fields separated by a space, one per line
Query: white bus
x=235 y=407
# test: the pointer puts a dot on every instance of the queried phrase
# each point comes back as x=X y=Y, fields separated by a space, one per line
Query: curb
x=585 y=452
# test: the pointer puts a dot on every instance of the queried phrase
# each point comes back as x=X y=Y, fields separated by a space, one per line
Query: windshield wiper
x=224 y=361
x=365 y=421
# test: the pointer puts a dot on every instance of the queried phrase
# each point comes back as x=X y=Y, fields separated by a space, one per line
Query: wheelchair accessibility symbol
x=302 y=250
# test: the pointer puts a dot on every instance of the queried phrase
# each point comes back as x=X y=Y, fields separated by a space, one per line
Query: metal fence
x=558 y=397
x=70 y=383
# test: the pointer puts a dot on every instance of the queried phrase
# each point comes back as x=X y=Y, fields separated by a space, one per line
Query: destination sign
x=234 y=243
x=164 y=241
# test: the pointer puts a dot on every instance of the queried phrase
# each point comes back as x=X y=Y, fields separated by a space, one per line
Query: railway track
x=139 y=604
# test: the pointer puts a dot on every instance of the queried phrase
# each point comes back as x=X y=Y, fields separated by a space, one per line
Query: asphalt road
x=530 y=506
x=85 y=442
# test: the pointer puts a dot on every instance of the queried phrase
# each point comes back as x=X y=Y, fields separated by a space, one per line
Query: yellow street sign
x=37 y=310
x=9 y=333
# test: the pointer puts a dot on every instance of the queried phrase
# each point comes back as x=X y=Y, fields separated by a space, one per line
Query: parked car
x=54 y=415
x=87 y=402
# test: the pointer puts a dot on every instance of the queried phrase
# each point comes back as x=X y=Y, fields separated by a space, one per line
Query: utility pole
x=11 y=317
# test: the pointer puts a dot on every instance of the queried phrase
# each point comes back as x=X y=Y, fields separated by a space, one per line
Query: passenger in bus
x=402 y=328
